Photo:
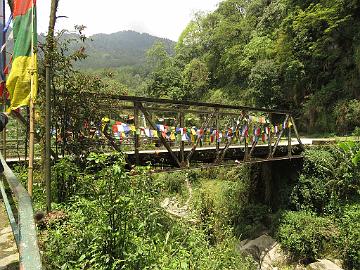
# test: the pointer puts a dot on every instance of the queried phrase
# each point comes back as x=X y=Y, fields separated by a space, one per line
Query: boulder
x=257 y=246
x=265 y=250
x=323 y=265
x=273 y=257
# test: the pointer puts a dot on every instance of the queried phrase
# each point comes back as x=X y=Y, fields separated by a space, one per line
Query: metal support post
x=136 y=135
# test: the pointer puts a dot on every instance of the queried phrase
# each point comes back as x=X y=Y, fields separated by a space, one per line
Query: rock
x=6 y=230
x=11 y=259
x=323 y=265
x=275 y=256
x=258 y=245
x=265 y=250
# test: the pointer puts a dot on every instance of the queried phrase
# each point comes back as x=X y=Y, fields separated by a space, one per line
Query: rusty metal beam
x=252 y=148
x=279 y=137
x=136 y=136
x=182 y=144
x=228 y=143
x=205 y=126
x=181 y=102
x=296 y=133
x=169 y=110
x=162 y=139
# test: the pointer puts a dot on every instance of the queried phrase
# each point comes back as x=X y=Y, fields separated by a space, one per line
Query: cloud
x=138 y=26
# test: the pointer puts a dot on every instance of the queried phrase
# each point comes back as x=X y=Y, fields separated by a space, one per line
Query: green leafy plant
x=349 y=239
x=305 y=235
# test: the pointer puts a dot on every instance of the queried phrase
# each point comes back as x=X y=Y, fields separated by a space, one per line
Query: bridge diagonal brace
x=278 y=138
x=163 y=141
x=252 y=148
x=222 y=153
x=297 y=134
x=111 y=140
x=193 y=149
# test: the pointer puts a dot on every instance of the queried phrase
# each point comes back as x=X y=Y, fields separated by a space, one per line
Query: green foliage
x=250 y=220
x=223 y=202
x=118 y=216
x=357 y=133
x=349 y=239
x=116 y=222
x=171 y=182
x=67 y=175
x=328 y=176
x=347 y=115
x=327 y=198
x=298 y=55
x=305 y=235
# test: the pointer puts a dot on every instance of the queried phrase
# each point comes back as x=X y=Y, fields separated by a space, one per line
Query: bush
x=172 y=182
x=328 y=177
x=350 y=236
x=66 y=173
x=356 y=133
x=305 y=235
x=119 y=224
x=347 y=114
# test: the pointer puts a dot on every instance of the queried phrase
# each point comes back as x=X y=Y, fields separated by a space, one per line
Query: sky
x=162 y=18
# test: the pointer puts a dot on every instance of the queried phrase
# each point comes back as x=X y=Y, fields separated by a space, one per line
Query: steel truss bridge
x=214 y=133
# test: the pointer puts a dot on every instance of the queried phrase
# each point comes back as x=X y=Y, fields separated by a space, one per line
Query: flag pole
x=4 y=84
x=32 y=111
x=48 y=60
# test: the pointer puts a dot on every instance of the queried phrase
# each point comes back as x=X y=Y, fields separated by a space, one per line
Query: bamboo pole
x=31 y=142
x=32 y=112
x=50 y=48
x=4 y=82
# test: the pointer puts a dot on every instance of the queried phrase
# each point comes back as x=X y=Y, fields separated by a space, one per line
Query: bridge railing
x=22 y=224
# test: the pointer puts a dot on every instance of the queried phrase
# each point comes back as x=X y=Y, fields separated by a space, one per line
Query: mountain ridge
x=119 y=49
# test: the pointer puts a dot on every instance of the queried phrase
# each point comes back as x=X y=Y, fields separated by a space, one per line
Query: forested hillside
x=124 y=48
x=288 y=54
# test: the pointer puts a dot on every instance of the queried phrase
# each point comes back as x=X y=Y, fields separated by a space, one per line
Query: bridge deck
x=208 y=154
x=294 y=142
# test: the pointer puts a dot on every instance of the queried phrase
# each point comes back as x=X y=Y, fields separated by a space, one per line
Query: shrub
x=350 y=236
x=119 y=224
x=319 y=163
x=305 y=235
x=173 y=182
x=347 y=114
x=328 y=177
x=356 y=133
x=66 y=174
